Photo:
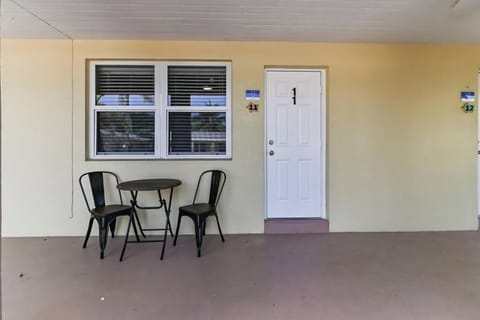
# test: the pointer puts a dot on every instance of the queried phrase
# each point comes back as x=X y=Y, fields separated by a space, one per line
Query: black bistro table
x=134 y=186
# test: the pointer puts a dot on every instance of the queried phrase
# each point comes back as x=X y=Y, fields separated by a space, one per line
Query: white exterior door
x=295 y=147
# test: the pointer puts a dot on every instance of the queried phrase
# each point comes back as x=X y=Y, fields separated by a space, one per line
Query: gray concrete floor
x=325 y=276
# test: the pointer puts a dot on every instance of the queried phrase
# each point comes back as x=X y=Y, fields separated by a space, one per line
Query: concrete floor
x=325 y=276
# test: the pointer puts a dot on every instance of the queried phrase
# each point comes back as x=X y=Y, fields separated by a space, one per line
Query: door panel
x=282 y=180
x=304 y=179
x=282 y=122
x=303 y=126
x=294 y=159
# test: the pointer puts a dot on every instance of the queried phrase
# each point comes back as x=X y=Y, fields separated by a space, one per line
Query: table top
x=149 y=184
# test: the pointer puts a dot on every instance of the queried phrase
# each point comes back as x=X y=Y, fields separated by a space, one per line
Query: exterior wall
x=401 y=153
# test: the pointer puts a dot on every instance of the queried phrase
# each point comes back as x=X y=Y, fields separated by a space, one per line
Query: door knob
x=270 y=142
x=271 y=153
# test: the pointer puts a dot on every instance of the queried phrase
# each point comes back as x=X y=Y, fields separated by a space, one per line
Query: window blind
x=125 y=85
x=197 y=86
x=125 y=133
x=202 y=133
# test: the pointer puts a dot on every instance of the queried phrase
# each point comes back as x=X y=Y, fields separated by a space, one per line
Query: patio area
x=328 y=276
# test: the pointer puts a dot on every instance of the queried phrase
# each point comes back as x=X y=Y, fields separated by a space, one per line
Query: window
x=154 y=110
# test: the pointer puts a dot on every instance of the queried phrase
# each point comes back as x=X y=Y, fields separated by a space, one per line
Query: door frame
x=323 y=132
x=477 y=104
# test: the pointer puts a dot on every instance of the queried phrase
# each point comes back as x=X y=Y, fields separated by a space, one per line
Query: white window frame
x=160 y=108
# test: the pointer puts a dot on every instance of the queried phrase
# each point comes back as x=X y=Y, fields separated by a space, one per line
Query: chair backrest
x=97 y=187
x=217 y=181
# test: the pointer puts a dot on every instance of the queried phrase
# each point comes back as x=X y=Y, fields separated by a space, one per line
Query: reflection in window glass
x=124 y=100
x=197 y=133
x=125 y=133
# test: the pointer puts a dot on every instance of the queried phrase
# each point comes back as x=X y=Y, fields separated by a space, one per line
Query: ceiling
x=399 y=21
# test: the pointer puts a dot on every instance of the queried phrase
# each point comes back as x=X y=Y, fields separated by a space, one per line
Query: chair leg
x=112 y=227
x=203 y=223
x=219 y=229
x=90 y=224
x=198 y=234
x=178 y=228
x=103 y=228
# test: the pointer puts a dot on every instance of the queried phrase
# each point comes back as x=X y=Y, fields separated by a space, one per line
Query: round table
x=149 y=184
x=158 y=184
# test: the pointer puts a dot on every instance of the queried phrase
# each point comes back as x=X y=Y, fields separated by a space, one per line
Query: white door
x=295 y=159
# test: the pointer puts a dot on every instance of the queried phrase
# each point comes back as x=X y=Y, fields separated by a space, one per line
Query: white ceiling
x=423 y=21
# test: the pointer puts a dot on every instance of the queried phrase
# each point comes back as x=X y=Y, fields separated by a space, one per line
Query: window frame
x=160 y=108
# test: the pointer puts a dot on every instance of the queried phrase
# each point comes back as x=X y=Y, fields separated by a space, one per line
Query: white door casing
x=295 y=143
x=478 y=152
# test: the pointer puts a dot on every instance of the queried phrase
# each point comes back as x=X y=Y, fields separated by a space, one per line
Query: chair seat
x=116 y=209
x=197 y=209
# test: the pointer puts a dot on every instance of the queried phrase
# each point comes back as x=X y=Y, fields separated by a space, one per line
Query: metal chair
x=105 y=214
x=199 y=212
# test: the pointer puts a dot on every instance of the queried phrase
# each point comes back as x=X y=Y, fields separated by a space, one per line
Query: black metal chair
x=199 y=212
x=105 y=214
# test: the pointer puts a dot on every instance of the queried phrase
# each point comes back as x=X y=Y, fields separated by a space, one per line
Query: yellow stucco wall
x=401 y=153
